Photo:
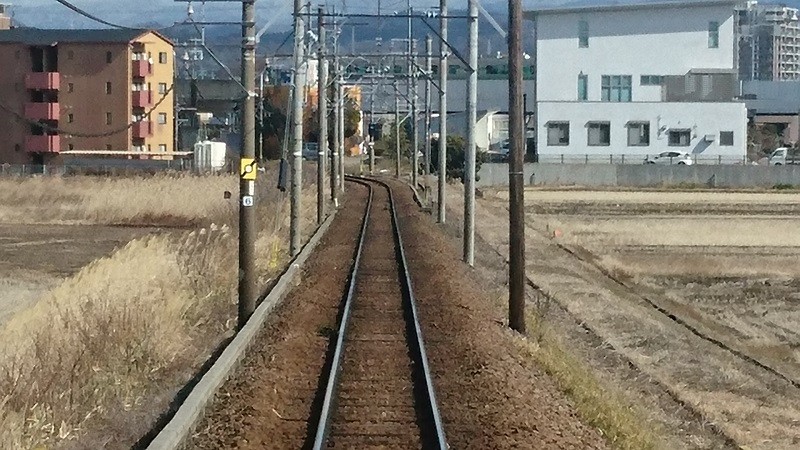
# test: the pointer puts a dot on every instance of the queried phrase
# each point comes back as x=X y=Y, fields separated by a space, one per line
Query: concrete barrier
x=608 y=175
x=191 y=411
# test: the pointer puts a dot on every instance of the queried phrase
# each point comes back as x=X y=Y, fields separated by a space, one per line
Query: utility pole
x=428 y=70
x=410 y=93
x=322 y=110
x=340 y=124
x=249 y=170
x=414 y=121
x=516 y=198
x=297 y=127
x=371 y=124
x=443 y=68
x=469 y=169
x=397 y=131
x=335 y=154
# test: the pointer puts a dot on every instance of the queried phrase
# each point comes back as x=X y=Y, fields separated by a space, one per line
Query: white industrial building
x=638 y=80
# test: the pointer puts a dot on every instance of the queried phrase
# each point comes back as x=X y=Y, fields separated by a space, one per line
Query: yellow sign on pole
x=249 y=169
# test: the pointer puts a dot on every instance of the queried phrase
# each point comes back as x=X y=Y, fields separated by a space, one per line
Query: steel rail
x=326 y=413
x=417 y=342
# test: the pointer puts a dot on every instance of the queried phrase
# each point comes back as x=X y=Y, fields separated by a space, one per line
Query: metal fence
x=638 y=159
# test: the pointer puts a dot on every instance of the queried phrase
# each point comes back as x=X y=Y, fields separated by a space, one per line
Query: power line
x=53 y=129
x=92 y=16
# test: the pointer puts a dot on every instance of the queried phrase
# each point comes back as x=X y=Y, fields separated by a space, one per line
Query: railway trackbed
x=379 y=389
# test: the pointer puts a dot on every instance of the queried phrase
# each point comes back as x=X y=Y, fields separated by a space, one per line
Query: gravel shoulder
x=490 y=393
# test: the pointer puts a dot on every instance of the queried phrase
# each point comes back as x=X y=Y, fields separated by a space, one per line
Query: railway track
x=379 y=392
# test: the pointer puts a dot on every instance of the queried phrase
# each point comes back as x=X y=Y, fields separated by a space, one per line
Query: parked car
x=667 y=158
x=498 y=152
x=311 y=151
x=782 y=156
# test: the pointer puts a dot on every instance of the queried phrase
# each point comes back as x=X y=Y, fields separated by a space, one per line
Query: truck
x=783 y=156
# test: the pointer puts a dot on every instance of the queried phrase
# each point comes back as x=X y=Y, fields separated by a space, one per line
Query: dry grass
x=98 y=358
x=158 y=200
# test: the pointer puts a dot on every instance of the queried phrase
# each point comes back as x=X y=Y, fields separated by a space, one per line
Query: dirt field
x=722 y=265
x=35 y=258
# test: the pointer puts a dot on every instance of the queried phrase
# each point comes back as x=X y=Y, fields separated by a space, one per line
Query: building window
x=452 y=69
x=17 y=147
x=713 y=34
x=162 y=88
x=726 y=138
x=71 y=146
x=583 y=87
x=652 y=80
x=638 y=134
x=435 y=69
x=108 y=118
x=108 y=87
x=162 y=118
x=109 y=147
x=615 y=88
x=162 y=148
x=558 y=133
x=70 y=87
x=70 y=55
x=679 y=138
x=109 y=57
x=70 y=118
x=162 y=58
x=598 y=134
x=583 y=34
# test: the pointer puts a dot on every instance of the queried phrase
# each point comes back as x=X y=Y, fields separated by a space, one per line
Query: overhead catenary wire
x=72 y=133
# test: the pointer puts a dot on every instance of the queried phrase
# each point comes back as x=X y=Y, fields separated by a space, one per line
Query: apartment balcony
x=142 y=99
x=49 y=81
x=142 y=130
x=141 y=68
x=42 y=111
x=43 y=144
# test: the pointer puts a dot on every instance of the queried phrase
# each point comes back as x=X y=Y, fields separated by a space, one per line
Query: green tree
x=456 y=157
x=386 y=145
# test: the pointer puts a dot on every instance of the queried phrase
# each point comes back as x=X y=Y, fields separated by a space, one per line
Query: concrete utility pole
x=371 y=124
x=397 y=131
x=442 y=111
x=472 y=148
x=322 y=110
x=414 y=121
x=428 y=67
x=516 y=198
x=247 y=188
x=340 y=124
x=335 y=154
x=297 y=127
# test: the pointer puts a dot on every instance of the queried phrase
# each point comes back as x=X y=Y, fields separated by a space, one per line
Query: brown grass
x=97 y=359
x=179 y=200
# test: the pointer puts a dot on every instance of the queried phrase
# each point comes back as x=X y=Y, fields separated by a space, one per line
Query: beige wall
x=162 y=73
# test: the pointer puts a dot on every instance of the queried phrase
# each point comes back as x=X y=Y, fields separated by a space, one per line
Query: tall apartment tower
x=769 y=42
x=85 y=92
x=5 y=17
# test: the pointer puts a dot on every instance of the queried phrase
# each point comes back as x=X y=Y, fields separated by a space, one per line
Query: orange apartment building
x=92 y=89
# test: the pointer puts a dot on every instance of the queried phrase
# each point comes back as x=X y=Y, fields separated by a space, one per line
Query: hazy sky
x=131 y=12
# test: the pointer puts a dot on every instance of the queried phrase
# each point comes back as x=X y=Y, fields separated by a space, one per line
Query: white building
x=638 y=80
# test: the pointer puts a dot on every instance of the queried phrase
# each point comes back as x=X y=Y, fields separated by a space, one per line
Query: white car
x=667 y=158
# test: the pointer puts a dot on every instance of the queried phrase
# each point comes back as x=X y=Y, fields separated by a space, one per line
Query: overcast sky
x=132 y=12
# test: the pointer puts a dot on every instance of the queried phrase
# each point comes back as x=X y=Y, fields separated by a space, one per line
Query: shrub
x=456 y=157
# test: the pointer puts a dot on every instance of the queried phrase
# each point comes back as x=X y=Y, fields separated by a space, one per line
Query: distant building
x=90 y=90
x=5 y=17
x=638 y=80
x=769 y=42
